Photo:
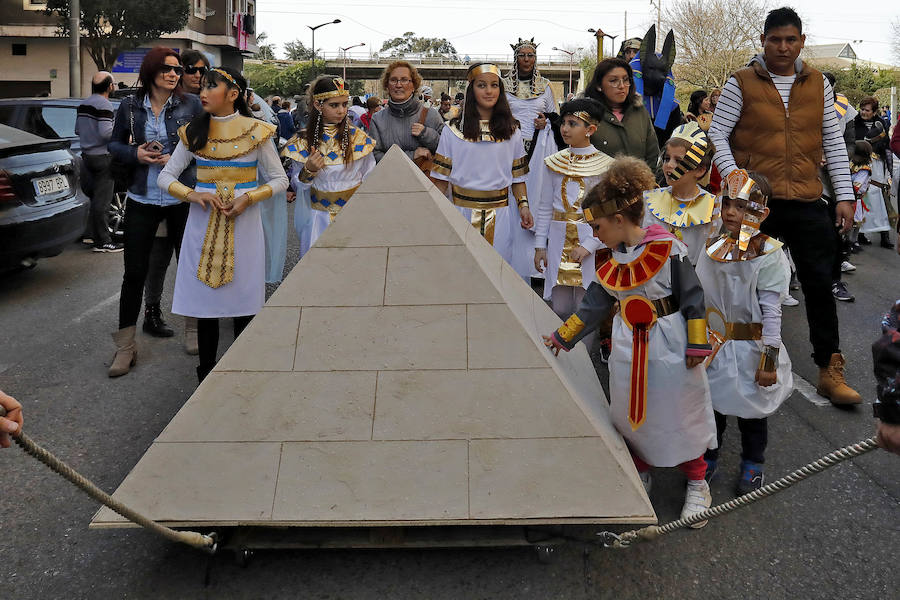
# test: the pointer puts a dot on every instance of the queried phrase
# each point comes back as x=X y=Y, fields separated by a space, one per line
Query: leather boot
x=154 y=324
x=203 y=371
x=126 y=352
x=190 y=336
x=886 y=240
x=832 y=384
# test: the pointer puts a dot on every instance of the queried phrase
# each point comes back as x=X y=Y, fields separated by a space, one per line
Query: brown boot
x=190 y=336
x=126 y=352
x=832 y=384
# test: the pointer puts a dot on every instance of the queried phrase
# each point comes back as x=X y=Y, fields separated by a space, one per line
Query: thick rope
x=611 y=540
x=191 y=538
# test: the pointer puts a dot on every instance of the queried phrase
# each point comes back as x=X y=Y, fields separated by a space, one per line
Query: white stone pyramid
x=396 y=377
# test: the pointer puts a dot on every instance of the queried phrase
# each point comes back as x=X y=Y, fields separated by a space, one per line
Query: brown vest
x=785 y=146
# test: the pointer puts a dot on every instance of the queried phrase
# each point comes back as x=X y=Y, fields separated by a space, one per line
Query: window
x=200 y=9
x=34 y=4
x=19 y=49
x=52 y=122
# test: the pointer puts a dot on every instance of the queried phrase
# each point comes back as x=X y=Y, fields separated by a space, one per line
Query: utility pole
x=75 y=48
x=625 y=32
x=658 y=5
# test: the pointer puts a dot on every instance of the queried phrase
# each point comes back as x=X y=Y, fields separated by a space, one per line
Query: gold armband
x=570 y=328
x=306 y=176
x=521 y=201
x=263 y=192
x=179 y=190
x=768 y=360
x=696 y=332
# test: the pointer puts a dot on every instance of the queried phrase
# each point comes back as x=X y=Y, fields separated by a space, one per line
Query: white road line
x=96 y=308
x=808 y=391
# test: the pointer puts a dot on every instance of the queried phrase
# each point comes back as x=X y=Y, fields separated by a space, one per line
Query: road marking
x=96 y=308
x=808 y=391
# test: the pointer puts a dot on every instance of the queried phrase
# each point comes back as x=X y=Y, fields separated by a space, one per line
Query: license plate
x=50 y=185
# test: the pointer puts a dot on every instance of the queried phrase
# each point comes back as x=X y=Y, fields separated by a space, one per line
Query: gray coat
x=392 y=125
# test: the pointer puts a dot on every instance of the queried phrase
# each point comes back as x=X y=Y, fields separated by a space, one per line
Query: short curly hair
x=413 y=74
x=621 y=189
x=869 y=100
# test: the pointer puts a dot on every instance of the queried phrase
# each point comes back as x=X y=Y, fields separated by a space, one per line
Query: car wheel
x=117 y=215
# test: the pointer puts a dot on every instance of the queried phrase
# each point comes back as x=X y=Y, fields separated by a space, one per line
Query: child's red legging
x=694 y=469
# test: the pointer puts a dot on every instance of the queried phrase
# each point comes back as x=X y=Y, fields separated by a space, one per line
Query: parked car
x=42 y=206
x=54 y=118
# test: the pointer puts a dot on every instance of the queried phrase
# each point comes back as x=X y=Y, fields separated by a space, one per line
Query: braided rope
x=191 y=538
x=654 y=531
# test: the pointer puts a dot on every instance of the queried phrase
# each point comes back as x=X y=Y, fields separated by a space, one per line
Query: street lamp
x=344 y=55
x=571 y=60
x=313 y=29
x=600 y=34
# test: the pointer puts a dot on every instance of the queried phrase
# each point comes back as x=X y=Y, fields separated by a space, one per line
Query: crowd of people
x=669 y=237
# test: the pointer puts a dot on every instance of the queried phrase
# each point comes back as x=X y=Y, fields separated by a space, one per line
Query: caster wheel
x=242 y=557
x=545 y=554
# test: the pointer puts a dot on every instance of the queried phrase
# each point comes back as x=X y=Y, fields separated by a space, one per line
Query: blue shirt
x=155 y=129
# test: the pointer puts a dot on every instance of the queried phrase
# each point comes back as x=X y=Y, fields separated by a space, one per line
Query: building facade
x=34 y=60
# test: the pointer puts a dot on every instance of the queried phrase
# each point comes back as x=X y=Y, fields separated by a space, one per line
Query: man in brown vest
x=776 y=117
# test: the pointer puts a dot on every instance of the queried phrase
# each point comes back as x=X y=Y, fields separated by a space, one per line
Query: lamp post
x=344 y=56
x=313 y=29
x=600 y=34
x=571 y=60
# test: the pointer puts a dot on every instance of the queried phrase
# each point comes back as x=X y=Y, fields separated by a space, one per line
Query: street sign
x=130 y=61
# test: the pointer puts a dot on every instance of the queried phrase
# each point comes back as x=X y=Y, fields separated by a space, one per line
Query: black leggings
x=754 y=438
x=208 y=337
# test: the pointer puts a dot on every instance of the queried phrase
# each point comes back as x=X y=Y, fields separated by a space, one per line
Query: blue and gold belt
x=330 y=202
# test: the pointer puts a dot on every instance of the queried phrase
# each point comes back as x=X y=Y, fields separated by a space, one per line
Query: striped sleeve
x=836 y=159
x=728 y=111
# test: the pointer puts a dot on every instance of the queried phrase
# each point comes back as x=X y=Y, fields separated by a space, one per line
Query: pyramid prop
x=396 y=377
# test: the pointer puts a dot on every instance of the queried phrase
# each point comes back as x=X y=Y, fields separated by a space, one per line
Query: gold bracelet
x=179 y=190
x=263 y=192
x=521 y=201
x=768 y=360
x=306 y=176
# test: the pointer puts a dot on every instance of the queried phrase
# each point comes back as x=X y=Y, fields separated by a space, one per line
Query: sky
x=476 y=30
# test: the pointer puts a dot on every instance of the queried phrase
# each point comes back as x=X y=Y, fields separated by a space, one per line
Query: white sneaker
x=847 y=266
x=645 y=479
x=790 y=301
x=696 y=500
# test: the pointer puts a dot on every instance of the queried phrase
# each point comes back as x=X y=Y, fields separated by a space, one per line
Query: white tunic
x=876 y=217
x=680 y=425
x=245 y=294
x=732 y=288
x=485 y=166
x=526 y=110
x=551 y=234
x=332 y=178
x=695 y=235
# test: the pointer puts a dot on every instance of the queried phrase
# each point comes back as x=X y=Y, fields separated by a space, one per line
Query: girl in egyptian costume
x=745 y=276
x=530 y=100
x=564 y=243
x=480 y=157
x=331 y=158
x=222 y=268
x=659 y=395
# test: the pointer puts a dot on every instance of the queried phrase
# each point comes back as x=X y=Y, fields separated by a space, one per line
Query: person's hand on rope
x=12 y=423
x=888 y=436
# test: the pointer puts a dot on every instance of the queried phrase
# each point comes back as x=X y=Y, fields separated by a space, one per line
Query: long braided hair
x=316 y=127
x=514 y=73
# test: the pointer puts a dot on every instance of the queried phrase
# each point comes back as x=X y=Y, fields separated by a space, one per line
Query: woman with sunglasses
x=144 y=136
x=195 y=67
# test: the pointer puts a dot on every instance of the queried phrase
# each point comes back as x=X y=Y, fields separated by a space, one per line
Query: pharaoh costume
x=660 y=407
x=744 y=281
x=480 y=173
x=560 y=226
x=221 y=272
x=329 y=190
x=876 y=200
x=691 y=220
x=529 y=98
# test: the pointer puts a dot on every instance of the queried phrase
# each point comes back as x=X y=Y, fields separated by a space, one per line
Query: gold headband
x=340 y=91
x=484 y=68
x=226 y=76
x=607 y=208
x=588 y=215
x=585 y=116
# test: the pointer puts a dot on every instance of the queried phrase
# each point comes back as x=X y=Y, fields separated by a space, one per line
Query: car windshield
x=52 y=121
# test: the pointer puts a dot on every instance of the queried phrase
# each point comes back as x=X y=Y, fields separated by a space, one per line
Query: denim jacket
x=179 y=112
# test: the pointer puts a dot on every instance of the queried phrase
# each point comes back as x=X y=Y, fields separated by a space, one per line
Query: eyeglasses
x=403 y=81
x=619 y=82
x=192 y=70
x=169 y=68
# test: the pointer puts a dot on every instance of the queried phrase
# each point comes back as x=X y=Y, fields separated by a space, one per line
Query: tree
x=297 y=50
x=714 y=38
x=110 y=26
x=266 y=51
x=409 y=43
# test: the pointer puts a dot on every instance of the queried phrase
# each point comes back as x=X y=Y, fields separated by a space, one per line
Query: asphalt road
x=833 y=536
